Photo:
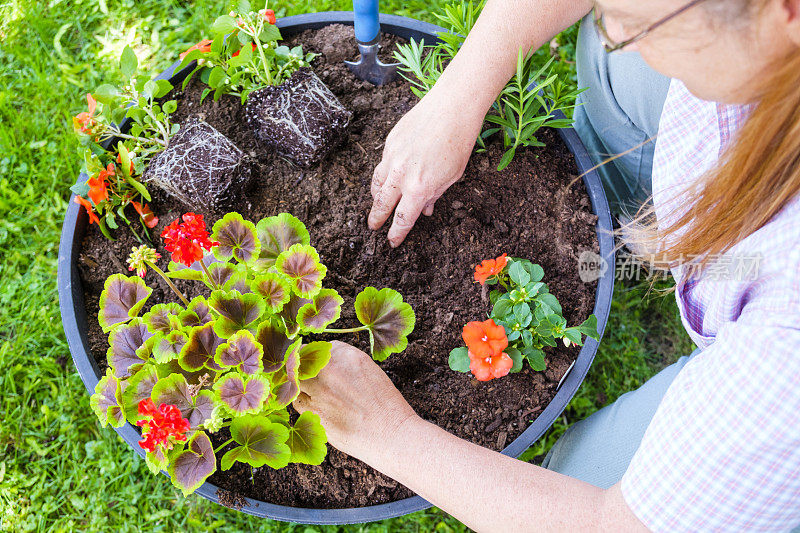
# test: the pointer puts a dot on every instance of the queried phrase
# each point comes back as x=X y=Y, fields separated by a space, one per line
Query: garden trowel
x=368 y=35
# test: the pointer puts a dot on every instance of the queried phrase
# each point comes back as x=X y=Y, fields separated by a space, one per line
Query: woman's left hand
x=356 y=401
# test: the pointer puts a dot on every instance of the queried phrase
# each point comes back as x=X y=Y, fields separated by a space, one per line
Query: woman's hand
x=356 y=401
x=424 y=154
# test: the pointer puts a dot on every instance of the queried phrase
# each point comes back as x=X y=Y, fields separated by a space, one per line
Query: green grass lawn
x=58 y=469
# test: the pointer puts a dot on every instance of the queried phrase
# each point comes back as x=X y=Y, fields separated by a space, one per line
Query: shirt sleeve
x=723 y=449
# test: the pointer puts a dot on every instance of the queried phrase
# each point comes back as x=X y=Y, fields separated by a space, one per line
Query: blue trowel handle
x=366 y=20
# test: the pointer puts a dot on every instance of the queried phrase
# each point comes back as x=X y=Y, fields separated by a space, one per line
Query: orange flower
x=85 y=203
x=149 y=218
x=83 y=122
x=204 y=46
x=486 y=368
x=489 y=268
x=236 y=53
x=98 y=187
x=485 y=339
x=269 y=15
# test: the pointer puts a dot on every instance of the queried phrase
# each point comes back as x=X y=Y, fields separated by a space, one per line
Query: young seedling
x=525 y=318
x=184 y=370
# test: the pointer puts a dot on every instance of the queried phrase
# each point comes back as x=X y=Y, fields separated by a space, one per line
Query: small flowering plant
x=525 y=318
x=244 y=54
x=235 y=359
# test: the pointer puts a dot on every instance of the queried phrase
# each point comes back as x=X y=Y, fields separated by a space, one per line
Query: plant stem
x=208 y=274
x=117 y=133
x=218 y=448
x=263 y=58
x=346 y=330
x=169 y=282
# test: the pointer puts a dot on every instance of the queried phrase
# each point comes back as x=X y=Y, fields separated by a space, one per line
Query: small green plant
x=235 y=359
x=525 y=318
x=528 y=102
x=244 y=54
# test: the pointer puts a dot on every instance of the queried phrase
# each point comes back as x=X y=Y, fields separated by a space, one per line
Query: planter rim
x=71 y=302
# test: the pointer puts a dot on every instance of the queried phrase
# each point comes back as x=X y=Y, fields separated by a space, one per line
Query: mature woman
x=713 y=441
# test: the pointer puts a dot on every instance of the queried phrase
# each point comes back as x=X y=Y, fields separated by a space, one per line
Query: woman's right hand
x=425 y=153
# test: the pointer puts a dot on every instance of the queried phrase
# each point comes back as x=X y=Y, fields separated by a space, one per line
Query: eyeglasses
x=612 y=46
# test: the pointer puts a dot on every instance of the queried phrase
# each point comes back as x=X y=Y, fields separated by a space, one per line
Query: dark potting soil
x=528 y=210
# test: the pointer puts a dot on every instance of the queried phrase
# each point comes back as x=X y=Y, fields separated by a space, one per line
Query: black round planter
x=70 y=292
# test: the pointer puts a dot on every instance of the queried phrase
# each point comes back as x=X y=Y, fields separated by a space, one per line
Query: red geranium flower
x=160 y=425
x=204 y=46
x=269 y=15
x=491 y=367
x=83 y=122
x=236 y=53
x=80 y=200
x=150 y=219
x=188 y=240
x=489 y=268
x=485 y=339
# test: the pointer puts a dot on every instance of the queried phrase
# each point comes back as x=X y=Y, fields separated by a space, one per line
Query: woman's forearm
x=488 y=57
x=489 y=491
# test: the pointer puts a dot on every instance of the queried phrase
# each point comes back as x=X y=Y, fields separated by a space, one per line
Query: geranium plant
x=528 y=102
x=525 y=318
x=244 y=54
x=184 y=370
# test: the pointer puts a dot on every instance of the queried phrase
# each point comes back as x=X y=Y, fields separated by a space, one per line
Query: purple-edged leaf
x=261 y=442
x=388 y=318
x=106 y=402
x=197 y=314
x=301 y=265
x=241 y=352
x=220 y=274
x=190 y=468
x=237 y=311
x=193 y=273
x=168 y=347
x=313 y=358
x=162 y=318
x=286 y=381
x=137 y=388
x=128 y=348
x=199 y=350
x=307 y=440
x=274 y=288
x=121 y=300
x=274 y=344
x=241 y=394
x=324 y=310
x=174 y=390
x=156 y=460
x=277 y=234
x=288 y=314
x=237 y=239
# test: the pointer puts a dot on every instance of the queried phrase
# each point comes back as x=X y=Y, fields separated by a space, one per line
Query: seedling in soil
x=528 y=102
x=525 y=318
x=187 y=369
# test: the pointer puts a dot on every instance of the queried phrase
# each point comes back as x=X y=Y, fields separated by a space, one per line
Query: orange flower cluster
x=489 y=268
x=486 y=342
x=83 y=122
x=160 y=426
x=204 y=46
x=269 y=15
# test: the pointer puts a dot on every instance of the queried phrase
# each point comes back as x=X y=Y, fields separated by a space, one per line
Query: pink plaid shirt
x=723 y=449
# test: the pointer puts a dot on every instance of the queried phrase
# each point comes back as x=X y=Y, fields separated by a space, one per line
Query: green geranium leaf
x=121 y=300
x=197 y=314
x=535 y=271
x=261 y=442
x=241 y=394
x=137 y=388
x=518 y=274
x=288 y=315
x=192 y=273
x=159 y=318
x=274 y=344
x=237 y=239
x=221 y=274
x=286 y=381
x=167 y=347
x=549 y=303
x=502 y=307
x=200 y=349
x=175 y=390
x=323 y=310
x=459 y=359
x=277 y=234
x=156 y=460
x=301 y=265
x=515 y=356
x=307 y=440
x=241 y=352
x=388 y=318
x=313 y=358
x=106 y=402
x=190 y=468
x=274 y=288
x=535 y=358
x=237 y=311
x=128 y=348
